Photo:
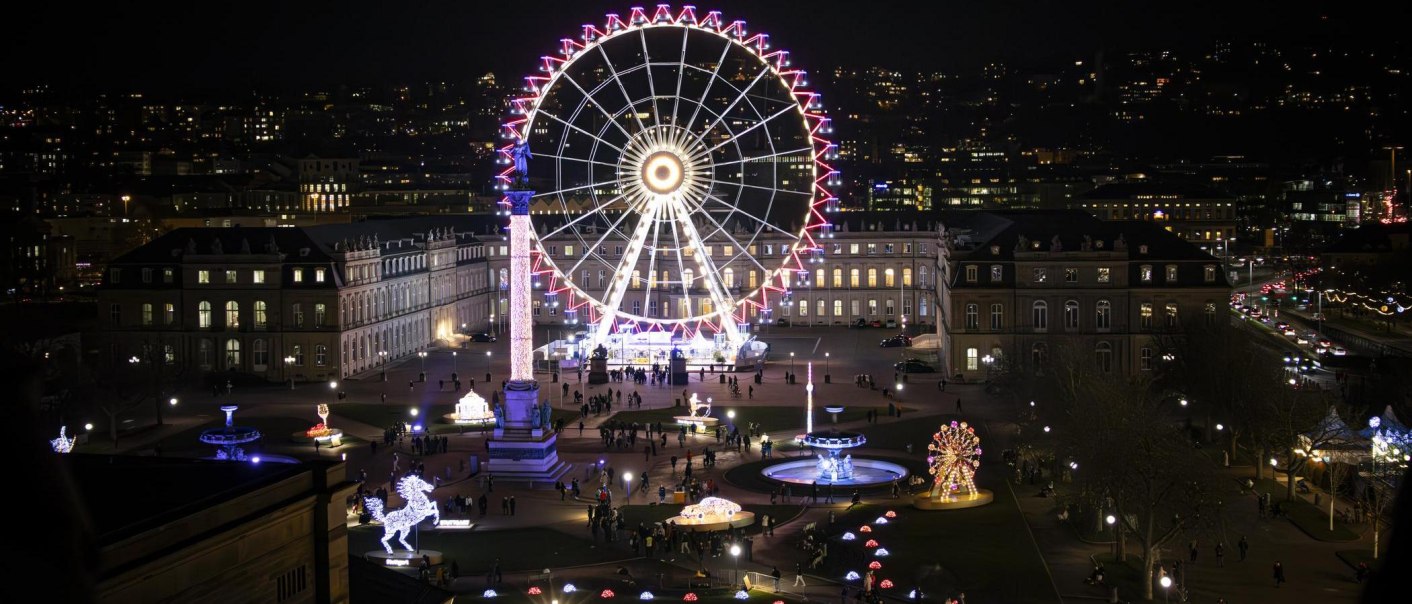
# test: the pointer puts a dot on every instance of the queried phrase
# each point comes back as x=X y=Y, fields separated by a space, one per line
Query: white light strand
x=399 y=523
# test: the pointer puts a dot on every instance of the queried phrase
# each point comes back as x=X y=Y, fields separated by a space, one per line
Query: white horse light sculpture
x=400 y=522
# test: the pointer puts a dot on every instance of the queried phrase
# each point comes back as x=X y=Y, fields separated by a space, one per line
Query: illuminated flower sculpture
x=400 y=522
x=954 y=454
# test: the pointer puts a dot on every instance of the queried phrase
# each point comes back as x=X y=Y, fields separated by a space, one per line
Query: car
x=1325 y=342
x=1281 y=325
x=875 y=323
x=1339 y=351
x=1301 y=340
x=890 y=323
x=896 y=341
x=782 y=322
x=1321 y=349
x=482 y=337
x=1318 y=316
x=860 y=322
x=914 y=366
x=1289 y=331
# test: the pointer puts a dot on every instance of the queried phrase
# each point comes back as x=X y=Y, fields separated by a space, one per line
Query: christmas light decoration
x=871 y=543
x=63 y=444
x=865 y=529
x=534 y=590
x=912 y=595
x=954 y=454
x=886 y=584
x=849 y=536
x=875 y=565
x=890 y=514
x=399 y=523
x=742 y=595
x=880 y=520
x=521 y=344
x=606 y=594
x=881 y=552
x=646 y=595
x=689 y=597
x=711 y=509
x=569 y=588
x=489 y=593
x=851 y=576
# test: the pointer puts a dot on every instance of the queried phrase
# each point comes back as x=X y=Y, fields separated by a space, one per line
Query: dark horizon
x=178 y=49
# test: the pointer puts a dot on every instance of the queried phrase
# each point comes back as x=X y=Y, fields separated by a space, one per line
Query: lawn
x=1313 y=521
x=517 y=549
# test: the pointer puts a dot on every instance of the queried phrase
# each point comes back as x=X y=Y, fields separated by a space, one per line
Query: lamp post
x=826 y=368
x=988 y=360
x=487 y=366
x=735 y=553
x=382 y=363
x=627 y=482
x=289 y=362
x=730 y=416
x=423 y=356
x=791 y=364
x=1113 y=526
x=453 y=363
x=1166 y=583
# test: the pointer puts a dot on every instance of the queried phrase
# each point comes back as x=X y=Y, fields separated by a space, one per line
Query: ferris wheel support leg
x=721 y=301
x=619 y=286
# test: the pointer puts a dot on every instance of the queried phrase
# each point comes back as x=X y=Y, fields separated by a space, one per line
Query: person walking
x=1243 y=545
x=1279 y=572
x=1193 y=550
x=958 y=405
x=1220 y=553
x=775 y=574
x=512 y=505
x=799 y=575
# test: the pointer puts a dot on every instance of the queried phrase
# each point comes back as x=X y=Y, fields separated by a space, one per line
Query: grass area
x=649 y=514
x=771 y=419
x=1126 y=576
x=517 y=549
x=1352 y=557
x=1313 y=521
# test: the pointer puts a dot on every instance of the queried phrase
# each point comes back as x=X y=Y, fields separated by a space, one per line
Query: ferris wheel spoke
x=651 y=82
x=705 y=94
x=613 y=72
x=581 y=130
x=757 y=219
x=743 y=91
x=681 y=73
x=734 y=242
x=592 y=101
x=592 y=251
x=651 y=268
x=736 y=135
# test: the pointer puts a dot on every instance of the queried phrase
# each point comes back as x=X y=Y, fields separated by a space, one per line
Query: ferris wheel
x=679 y=164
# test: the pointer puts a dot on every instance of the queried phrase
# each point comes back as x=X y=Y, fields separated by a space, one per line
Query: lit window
x=1040 y=275
x=1171 y=273
x=1105 y=275
x=257 y=276
x=203 y=314
x=232 y=315
x=298 y=275
x=230 y=277
x=997 y=272
x=261 y=314
x=1145 y=315
x=167 y=275
x=1144 y=273
x=203 y=276
x=319 y=275
x=973 y=359
x=147 y=315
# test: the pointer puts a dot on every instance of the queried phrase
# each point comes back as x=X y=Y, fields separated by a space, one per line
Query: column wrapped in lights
x=521 y=323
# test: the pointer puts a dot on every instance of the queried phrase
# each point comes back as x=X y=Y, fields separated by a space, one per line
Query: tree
x=1126 y=443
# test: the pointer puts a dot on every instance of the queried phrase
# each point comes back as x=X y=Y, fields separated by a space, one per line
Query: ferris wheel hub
x=662 y=172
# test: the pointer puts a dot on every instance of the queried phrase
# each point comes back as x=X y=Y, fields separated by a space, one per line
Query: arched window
x=261 y=314
x=997 y=317
x=872 y=277
x=1071 y=315
x=1172 y=321
x=838 y=277
x=1103 y=354
x=1145 y=315
x=1039 y=354
x=921 y=276
x=203 y=318
x=973 y=316
x=907 y=277
x=1103 y=315
x=1039 y=315
x=232 y=354
x=319 y=310
x=259 y=354
x=853 y=278
x=232 y=315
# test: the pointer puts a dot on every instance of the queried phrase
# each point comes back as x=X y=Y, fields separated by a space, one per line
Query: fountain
x=699 y=417
x=471 y=410
x=832 y=465
x=230 y=437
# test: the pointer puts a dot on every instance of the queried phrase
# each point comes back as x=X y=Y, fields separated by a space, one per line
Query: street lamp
x=791 y=364
x=1165 y=582
x=382 y=363
x=826 y=368
x=423 y=356
x=735 y=553
x=730 y=415
x=332 y=385
x=414 y=411
x=173 y=401
x=289 y=362
x=487 y=366
x=987 y=359
x=453 y=363
x=627 y=483
x=1112 y=526
x=88 y=427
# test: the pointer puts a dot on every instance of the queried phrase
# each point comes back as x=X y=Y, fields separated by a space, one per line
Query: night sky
x=161 y=47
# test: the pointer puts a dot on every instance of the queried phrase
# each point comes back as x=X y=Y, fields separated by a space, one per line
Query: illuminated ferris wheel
x=679 y=164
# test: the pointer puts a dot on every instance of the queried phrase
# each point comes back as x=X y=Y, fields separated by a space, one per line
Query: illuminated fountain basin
x=712 y=514
x=228 y=440
x=832 y=465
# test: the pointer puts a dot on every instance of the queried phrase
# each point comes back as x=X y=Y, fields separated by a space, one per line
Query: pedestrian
x=1220 y=554
x=799 y=575
x=1243 y=545
x=775 y=574
x=1279 y=573
x=512 y=505
x=504 y=506
x=958 y=405
x=1193 y=550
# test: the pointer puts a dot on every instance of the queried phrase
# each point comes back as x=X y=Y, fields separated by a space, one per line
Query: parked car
x=482 y=337
x=914 y=366
x=1289 y=331
x=875 y=323
x=860 y=322
x=1281 y=325
x=890 y=323
x=896 y=341
x=782 y=322
x=1339 y=351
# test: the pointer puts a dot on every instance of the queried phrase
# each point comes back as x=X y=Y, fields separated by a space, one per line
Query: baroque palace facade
x=331 y=301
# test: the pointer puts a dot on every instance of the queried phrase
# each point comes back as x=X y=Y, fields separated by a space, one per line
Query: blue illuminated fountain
x=832 y=463
x=231 y=437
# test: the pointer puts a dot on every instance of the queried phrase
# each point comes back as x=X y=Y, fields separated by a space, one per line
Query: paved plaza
x=1020 y=551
